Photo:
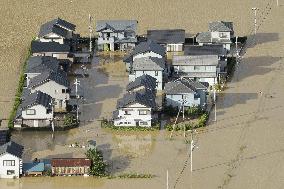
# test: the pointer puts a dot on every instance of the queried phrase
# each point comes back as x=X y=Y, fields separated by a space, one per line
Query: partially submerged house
x=172 y=39
x=37 y=65
x=70 y=166
x=116 y=34
x=220 y=32
x=186 y=92
x=144 y=49
x=213 y=49
x=203 y=68
x=153 y=66
x=35 y=110
x=135 y=109
x=54 y=84
x=11 y=160
x=56 y=30
x=145 y=81
x=53 y=49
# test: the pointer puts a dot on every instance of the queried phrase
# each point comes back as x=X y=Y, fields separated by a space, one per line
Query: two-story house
x=116 y=34
x=203 y=68
x=135 y=109
x=56 y=30
x=144 y=49
x=186 y=92
x=213 y=49
x=54 y=84
x=172 y=39
x=144 y=82
x=35 y=110
x=11 y=160
x=220 y=32
x=39 y=64
x=153 y=66
x=53 y=49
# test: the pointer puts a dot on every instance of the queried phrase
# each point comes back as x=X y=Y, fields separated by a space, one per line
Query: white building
x=116 y=34
x=11 y=160
x=54 y=84
x=186 y=92
x=56 y=30
x=153 y=66
x=35 y=110
x=203 y=68
x=135 y=109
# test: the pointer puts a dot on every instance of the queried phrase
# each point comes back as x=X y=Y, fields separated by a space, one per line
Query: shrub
x=135 y=175
x=98 y=167
x=202 y=120
x=69 y=120
x=194 y=111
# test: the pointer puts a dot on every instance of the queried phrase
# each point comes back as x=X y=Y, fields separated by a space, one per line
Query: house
x=53 y=49
x=213 y=49
x=186 y=92
x=35 y=110
x=172 y=39
x=153 y=66
x=203 y=68
x=116 y=34
x=33 y=168
x=39 y=64
x=143 y=82
x=70 y=166
x=135 y=109
x=11 y=160
x=56 y=30
x=54 y=84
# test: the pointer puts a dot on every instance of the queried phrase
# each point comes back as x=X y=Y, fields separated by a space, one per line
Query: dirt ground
x=243 y=149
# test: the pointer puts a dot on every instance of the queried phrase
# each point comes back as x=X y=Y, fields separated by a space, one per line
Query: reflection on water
x=52 y=183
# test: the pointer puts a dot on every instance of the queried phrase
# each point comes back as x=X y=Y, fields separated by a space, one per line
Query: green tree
x=98 y=167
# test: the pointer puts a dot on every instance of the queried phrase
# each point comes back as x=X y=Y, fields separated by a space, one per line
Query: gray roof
x=3 y=137
x=59 y=78
x=147 y=81
x=117 y=25
x=201 y=60
x=146 y=46
x=39 y=47
x=216 y=49
x=170 y=36
x=144 y=98
x=221 y=26
x=57 y=26
x=12 y=148
x=40 y=64
x=36 y=98
x=204 y=37
x=183 y=86
x=197 y=74
x=149 y=63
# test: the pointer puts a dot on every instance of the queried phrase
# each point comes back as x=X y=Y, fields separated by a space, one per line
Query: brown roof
x=70 y=162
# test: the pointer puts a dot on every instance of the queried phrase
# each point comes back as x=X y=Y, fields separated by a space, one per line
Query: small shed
x=70 y=166
x=34 y=168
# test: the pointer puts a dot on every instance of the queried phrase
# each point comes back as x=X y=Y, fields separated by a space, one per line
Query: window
x=222 y=35
x=30 y=112
x=143 y=112
x=143 y=123
x=127 y=112
x=156 y=73
x=157 y=84
x=60 y=103
x=197 y=68
x=9 y=163
x=10 y=172
x=65 y=91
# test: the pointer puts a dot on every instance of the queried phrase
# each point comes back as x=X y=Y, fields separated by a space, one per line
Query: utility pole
x=191 y=151
x=167 y=179
x=52 y=123
x=90 y=30
x=77 y=97
x=255 y=22
x=183 y=116
x=215 y=104
x=277 y=2
x=237 y=51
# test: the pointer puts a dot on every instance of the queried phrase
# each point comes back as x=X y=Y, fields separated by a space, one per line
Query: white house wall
x=40 y=113
x=147 y=54
x=159 y=77
x=17 y=168
x=177 y=100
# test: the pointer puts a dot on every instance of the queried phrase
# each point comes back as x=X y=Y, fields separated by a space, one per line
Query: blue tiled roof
x=33 y=167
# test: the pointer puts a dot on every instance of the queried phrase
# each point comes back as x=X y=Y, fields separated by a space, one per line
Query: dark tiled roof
x=48 y=28
x=3 y=137
x=204 y=37
x=145 y=47
x=147 y=81
x=36 y=98
x=49 y=76
x=39 y=47
x=70 y=162
x=12 y=148
x=183 y=86
x=216 y=49
x=208 y=60
x=174 y=36
x=40 y=64
x=149 y=63
x=144 y=98
x=117 y=25
x=221 y=26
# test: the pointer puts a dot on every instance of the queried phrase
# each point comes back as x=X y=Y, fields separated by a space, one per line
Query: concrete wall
x=17 y=168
